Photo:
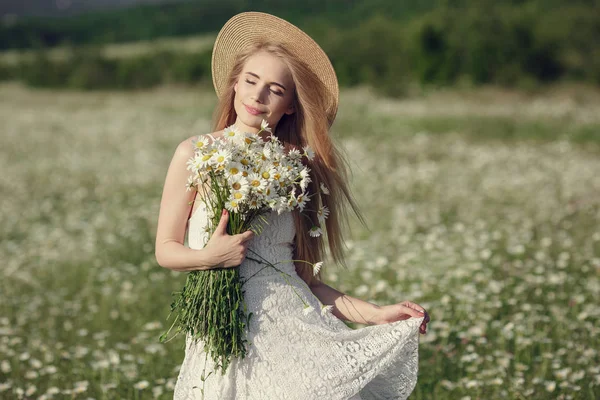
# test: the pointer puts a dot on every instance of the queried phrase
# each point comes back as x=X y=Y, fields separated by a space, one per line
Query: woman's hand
x=402 y=311
x=228 y=250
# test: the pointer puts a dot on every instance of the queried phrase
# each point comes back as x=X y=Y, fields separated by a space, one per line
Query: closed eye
x=275 y=92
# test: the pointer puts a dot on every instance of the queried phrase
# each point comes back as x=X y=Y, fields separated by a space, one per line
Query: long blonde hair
x=308 y=125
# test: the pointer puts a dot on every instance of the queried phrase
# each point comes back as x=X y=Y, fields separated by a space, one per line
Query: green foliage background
x=389 y=44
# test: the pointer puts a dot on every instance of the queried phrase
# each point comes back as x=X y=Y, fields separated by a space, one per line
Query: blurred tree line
x=389 y=44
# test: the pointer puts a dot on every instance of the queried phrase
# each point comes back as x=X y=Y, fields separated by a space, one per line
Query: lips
x=253 y=111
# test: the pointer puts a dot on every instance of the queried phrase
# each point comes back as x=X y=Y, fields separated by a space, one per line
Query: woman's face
x=264 y=90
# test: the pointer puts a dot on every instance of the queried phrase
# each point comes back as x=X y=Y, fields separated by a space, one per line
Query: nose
x=259 y=94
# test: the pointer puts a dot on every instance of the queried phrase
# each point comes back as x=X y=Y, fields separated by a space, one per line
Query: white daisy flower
x=317 y=267
x=234 y=169
x=264 y=125
x=238 y=196
x=239 y=184
x=324 y=188
x=256 y=182
x=315 y=231
x=307 y=310
x=326 y=309
x=294 y=154
x=204 y=160
x=268 y=172
x=304 y=174
x=200 y=143
x=309 y=153
x=322 y=214
x=232 y=134
x=250 y=138
x=302 y=200
x=232 y=205
x=222 y=157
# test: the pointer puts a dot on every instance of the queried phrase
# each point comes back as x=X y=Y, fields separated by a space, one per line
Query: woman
x=267 y=69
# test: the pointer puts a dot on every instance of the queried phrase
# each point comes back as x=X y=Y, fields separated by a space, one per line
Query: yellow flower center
x=234 y=171
x=266 y=175
x=206 y=157
x=255 y=183
x=220 y=159
x=236 y=186
x=244 y=162
x=237 y=195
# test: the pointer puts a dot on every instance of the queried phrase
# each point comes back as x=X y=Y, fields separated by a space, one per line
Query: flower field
x=483 y=207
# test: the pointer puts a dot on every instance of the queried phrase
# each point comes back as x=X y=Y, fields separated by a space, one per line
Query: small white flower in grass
x=324 y=188
x=309 y=153
x=52 y=391
x=317 y=267
x=326 y=309
x=157 y=391
x=4 y=386
x=264 y=125
x=141 y=385
x=30 y=390
x=5 y=366
x=315 y=231
x=307 y=309
x=322 y=214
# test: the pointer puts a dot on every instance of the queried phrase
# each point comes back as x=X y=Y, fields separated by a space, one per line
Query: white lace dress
x=293 y=355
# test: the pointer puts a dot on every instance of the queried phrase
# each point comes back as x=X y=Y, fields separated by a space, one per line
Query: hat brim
x=246 y=28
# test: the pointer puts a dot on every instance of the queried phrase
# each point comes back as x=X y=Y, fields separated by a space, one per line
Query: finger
x=244 y=237
x=222 y=226
x=414 y=306
x=413 y=313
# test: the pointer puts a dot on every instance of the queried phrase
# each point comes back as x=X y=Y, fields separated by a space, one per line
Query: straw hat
x=246 y=28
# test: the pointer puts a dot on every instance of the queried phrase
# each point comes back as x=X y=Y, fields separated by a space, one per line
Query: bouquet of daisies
x=249 y=177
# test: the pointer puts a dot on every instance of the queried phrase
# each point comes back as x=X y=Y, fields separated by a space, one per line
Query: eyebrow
x=273 y=83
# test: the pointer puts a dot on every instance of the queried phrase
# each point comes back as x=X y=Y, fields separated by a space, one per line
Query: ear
x=235 y=88
x=291 y=109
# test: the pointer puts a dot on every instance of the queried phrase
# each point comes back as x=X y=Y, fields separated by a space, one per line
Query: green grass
x=482 y=207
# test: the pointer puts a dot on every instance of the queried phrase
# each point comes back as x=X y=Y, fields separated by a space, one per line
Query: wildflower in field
x=141 y=385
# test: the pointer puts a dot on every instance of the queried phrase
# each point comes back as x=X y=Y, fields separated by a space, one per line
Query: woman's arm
x=170 y=251
x=221 y=251
x=345 y=307
x=355 y=310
